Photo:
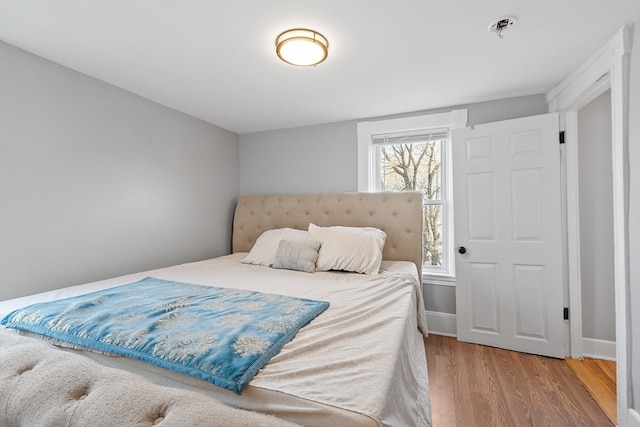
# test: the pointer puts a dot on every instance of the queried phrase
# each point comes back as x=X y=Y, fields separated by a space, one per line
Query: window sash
x=446 y=265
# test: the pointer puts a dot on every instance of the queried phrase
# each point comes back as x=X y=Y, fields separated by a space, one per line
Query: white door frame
x=582 y=86
x=607 y=68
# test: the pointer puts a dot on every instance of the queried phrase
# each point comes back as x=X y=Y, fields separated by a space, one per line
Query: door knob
x=462 y=250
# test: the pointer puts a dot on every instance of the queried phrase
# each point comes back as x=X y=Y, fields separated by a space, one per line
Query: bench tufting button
x=25 y=370
x=80 y=393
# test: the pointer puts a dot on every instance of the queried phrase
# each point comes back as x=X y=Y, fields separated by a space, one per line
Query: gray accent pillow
x=299 y=256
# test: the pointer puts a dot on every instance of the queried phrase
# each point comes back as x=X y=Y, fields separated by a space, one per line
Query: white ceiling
x=216 y=60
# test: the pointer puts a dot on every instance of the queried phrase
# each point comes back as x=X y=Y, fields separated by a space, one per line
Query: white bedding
x=361 y=362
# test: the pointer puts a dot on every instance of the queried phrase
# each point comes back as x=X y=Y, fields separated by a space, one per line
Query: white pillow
x=264 y=249
x=357 y=249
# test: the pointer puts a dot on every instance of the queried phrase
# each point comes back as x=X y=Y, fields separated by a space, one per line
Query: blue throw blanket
x=221 y=335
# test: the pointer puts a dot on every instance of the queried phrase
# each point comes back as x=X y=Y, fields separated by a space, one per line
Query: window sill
x=438 y=279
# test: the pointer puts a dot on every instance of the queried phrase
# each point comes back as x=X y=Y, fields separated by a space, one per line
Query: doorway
x=595 y=180
x=597 y=371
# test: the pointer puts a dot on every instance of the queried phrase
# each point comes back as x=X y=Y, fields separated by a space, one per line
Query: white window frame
x=368 y=165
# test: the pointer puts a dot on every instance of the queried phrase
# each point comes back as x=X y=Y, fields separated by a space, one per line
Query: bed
x=361 y=362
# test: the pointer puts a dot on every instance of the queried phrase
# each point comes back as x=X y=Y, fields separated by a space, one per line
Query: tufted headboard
x=398 y=214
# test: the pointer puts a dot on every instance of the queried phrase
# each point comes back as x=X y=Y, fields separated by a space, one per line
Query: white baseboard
x=441 y=323
x=599 y=349
x=445 y=324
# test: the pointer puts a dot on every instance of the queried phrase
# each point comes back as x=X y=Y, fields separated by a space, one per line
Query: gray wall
x=324 y=158
x=310 y=159
x=634 y=219
x=596 y=219
x=97 y=182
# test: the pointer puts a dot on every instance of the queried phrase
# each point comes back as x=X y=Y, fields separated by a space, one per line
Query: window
x=414 y=162
x=413 y=154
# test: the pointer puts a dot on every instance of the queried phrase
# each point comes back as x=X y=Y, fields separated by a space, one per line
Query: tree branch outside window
x=417 y=166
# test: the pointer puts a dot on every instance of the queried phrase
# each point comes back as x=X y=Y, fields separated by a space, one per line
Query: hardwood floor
x=599 y=378
x=478 y=386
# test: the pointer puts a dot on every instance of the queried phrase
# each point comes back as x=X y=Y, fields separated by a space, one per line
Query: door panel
x=525 y=199
x=481 y=205
x=529 y=308
x=507 y=215
x=484 y=298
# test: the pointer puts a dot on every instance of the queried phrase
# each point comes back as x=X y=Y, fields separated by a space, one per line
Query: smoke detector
x=502 y=24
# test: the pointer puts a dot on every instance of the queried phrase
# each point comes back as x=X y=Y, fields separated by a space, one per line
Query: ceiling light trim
x=302 y=47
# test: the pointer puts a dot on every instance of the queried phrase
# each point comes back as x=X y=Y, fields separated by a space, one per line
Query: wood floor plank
x=609 y=368
x=598 y=377
x=604 y=370
x=518 y=401
x=473 y=385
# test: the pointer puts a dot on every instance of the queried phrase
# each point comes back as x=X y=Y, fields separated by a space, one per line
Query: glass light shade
x=301 y=47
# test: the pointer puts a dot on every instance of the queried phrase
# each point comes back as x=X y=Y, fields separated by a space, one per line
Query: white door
x=506 y=183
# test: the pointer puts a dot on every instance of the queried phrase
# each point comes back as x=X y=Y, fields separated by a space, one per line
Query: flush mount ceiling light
x=302 y=47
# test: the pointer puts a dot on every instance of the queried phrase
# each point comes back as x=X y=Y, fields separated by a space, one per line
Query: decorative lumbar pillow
x=300 y=256
x=357 y=249
x=264 y=249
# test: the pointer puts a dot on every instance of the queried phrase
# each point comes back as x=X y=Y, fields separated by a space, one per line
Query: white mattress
x=361 y=362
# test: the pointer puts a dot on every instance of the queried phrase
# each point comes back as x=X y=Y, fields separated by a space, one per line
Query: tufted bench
x=41 y=385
